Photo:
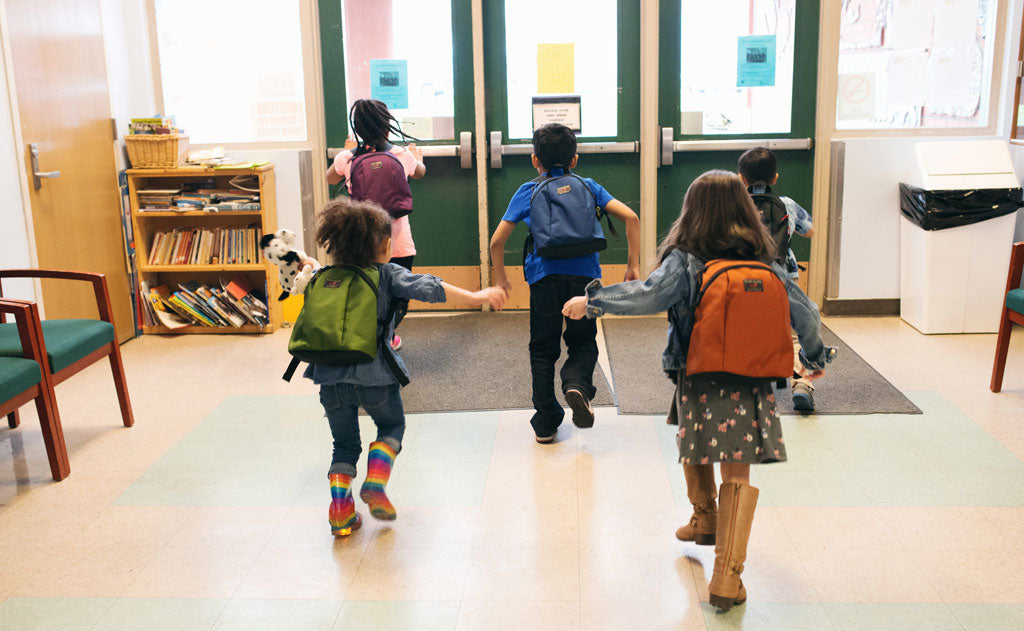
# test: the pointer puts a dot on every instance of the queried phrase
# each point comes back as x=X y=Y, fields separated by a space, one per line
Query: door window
x=400 y=52
x=737 y=66
x=561 y=58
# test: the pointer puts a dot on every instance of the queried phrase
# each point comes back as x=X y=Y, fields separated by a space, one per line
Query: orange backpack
x=741 y=323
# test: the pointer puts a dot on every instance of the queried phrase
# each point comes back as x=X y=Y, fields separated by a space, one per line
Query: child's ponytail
x=372 y=123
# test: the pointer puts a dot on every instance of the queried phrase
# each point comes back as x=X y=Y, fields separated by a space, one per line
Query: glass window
x=231 y=70
x=566 y=48
x=906 y=64
x=737 y=66
x=400 y=52
x=1017 y=132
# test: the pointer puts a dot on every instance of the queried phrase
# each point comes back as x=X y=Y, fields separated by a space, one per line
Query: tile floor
x=210 y=512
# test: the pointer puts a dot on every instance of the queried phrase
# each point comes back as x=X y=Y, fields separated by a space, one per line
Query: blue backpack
x=565 y=220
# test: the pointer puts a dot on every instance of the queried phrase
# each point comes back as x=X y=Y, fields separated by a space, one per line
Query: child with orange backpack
x=730 y=313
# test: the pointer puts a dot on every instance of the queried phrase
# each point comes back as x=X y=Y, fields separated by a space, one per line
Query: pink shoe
x=396 y=342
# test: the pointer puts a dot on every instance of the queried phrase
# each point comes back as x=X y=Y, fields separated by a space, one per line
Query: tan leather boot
x=700 y=488
x=736 y=515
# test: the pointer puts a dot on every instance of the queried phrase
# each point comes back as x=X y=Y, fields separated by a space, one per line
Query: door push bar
x=463 y=150
x=497 y=149
x=670 y=146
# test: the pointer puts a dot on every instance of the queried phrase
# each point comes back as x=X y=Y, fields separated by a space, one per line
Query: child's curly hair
x=352 y=231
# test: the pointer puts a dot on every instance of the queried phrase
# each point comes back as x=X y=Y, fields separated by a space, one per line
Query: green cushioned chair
x=72 y=345
x=22 y=379
x=1013 y=313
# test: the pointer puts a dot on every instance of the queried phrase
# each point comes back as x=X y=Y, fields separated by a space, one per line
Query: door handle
x=463 y=150
x=497 y=149
x=37 y=175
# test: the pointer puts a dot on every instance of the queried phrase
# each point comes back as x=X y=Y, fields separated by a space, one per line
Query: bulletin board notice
x=564 y=109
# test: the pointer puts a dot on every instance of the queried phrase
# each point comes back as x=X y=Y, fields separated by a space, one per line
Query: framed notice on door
x=564 y=109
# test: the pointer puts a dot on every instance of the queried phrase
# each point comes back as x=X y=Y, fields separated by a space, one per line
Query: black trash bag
x=937 y=210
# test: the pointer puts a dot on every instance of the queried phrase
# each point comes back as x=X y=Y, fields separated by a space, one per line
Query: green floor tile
x=161 y=614
x=398 y=615
x=762 y=616
x=990 y=617
x=278 y=615
x=892 y=617
x=923 y=486
x=51 y=614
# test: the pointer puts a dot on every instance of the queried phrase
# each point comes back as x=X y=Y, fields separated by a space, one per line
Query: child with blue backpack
x=357 y=237
x=563 y=213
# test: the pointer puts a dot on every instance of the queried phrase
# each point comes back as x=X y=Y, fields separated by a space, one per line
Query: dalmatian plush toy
x=279 y=248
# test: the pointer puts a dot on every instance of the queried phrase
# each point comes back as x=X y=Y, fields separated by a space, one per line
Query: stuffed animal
x=279 y=248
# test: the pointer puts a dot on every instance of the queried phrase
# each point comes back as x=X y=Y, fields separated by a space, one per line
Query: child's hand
x=505 y=286
x=415 y=151
x=575 y=308
x=493 y=296
x=350 y=143
x=632 y=273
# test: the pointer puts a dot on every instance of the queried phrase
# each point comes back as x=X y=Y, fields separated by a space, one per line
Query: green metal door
x=445 y=222
x=721 y=118
x=612 y=159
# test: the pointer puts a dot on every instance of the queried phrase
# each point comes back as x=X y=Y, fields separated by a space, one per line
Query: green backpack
x=338 y=324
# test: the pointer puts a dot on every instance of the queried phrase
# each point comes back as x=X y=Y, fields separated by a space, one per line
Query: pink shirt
x=401 y=231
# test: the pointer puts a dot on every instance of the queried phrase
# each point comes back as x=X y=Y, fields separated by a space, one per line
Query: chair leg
x=120 y=384
x=13 y=419
x=1002 y=348
x=53 y=437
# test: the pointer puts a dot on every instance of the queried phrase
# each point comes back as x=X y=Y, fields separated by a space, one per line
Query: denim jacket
x=395 y=282
x=669 y=288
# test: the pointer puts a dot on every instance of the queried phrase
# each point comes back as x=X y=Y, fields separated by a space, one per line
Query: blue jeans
x=342 y=401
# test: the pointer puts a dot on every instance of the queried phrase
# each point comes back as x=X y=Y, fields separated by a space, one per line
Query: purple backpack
x=379 y=177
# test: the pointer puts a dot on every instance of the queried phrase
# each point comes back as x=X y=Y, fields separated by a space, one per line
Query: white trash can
x=953 y=276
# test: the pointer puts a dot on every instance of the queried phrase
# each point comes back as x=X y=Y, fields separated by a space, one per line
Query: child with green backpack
x=345 y=330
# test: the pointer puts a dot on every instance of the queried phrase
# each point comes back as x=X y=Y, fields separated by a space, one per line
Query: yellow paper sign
x=556 y=68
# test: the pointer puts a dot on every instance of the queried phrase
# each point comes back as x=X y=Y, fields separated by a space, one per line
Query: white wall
x=15 y=252
x=129 y=65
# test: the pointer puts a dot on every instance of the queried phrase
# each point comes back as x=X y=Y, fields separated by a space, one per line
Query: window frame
x=1014 y=139
x=828 y=106
x=312 y=87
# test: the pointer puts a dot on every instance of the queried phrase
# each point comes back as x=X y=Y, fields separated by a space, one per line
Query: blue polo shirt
x=538 y=267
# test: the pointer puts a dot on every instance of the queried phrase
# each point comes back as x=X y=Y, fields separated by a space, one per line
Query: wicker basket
x=154 y=151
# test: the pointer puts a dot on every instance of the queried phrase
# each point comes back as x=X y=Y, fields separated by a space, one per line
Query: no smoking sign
x=856 y=97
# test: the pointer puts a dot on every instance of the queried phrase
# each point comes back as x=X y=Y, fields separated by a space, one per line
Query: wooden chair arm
x=30 y=330
x=99 y=284
x=1013 y=279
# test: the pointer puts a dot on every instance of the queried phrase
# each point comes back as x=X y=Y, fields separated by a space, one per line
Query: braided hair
x=372 y=124
x=352 y=231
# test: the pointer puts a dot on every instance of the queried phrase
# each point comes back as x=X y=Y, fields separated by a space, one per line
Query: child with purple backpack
x=377 y=170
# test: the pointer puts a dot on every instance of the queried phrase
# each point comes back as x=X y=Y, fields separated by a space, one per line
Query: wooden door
x=60 y=80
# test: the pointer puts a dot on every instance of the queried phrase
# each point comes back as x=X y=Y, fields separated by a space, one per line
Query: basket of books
x=154 y=143
x=153 y=151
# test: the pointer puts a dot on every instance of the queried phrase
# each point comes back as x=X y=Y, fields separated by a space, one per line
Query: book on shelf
x=197 y=304
x=206 y=199
x=198 y=246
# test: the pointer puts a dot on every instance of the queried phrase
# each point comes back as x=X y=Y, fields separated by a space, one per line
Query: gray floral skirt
x=727 y=422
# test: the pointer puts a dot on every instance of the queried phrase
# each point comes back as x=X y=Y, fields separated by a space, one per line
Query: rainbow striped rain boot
x=378 y=471
x=342 y=513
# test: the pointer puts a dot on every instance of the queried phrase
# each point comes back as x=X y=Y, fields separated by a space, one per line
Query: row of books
x=211 y=200
x=154 y=125
x=232 y=303
x=218 y=246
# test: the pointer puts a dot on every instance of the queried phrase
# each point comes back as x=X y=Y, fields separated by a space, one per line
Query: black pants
x=403 y=305
x=547 y=297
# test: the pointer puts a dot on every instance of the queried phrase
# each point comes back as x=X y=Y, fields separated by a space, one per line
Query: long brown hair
x=352 y=231
x=719 y=217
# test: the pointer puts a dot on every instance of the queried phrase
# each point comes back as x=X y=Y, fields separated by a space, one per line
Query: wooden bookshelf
x=147 y=223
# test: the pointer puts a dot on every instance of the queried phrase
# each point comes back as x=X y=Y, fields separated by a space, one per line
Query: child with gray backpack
x=563 y=213
x=344 y=331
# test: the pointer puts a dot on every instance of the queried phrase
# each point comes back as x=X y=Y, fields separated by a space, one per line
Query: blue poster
x=389 y=82
x=755 y=65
